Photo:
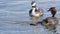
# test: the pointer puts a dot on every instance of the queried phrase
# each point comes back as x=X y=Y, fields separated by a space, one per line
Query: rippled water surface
x=14 y=17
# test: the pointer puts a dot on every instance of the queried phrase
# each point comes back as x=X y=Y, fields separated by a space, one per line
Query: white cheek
x=34 y=4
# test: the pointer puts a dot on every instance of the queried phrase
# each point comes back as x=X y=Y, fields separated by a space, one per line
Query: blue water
x=14 y=17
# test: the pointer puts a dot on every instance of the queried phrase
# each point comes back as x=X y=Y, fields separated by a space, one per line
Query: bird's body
x=35 y=12
x=49 y=21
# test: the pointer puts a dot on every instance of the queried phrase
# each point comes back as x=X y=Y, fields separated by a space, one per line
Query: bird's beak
x=48 y=10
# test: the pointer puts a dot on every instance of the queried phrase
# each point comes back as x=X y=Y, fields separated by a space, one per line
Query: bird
x=35 y=13
x=50 y=20
x=53 y=11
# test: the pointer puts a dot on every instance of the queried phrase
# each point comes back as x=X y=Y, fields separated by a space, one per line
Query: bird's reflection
x=51 y=28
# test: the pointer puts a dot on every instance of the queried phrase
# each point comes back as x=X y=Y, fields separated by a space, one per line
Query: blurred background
x=14 y=16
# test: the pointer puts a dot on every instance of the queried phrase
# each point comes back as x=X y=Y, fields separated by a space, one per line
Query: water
x=14 y=17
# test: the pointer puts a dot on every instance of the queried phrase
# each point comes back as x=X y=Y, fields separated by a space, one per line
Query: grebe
x=50 y=20
x=35 y=13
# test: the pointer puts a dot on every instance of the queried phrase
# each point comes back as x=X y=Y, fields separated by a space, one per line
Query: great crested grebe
x=50 y=20
x=35 y=13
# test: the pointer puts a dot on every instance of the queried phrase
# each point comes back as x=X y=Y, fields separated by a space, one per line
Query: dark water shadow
x=50 y=27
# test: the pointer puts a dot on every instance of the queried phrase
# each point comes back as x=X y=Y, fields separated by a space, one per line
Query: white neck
x=34 y=13
x=33 y=10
